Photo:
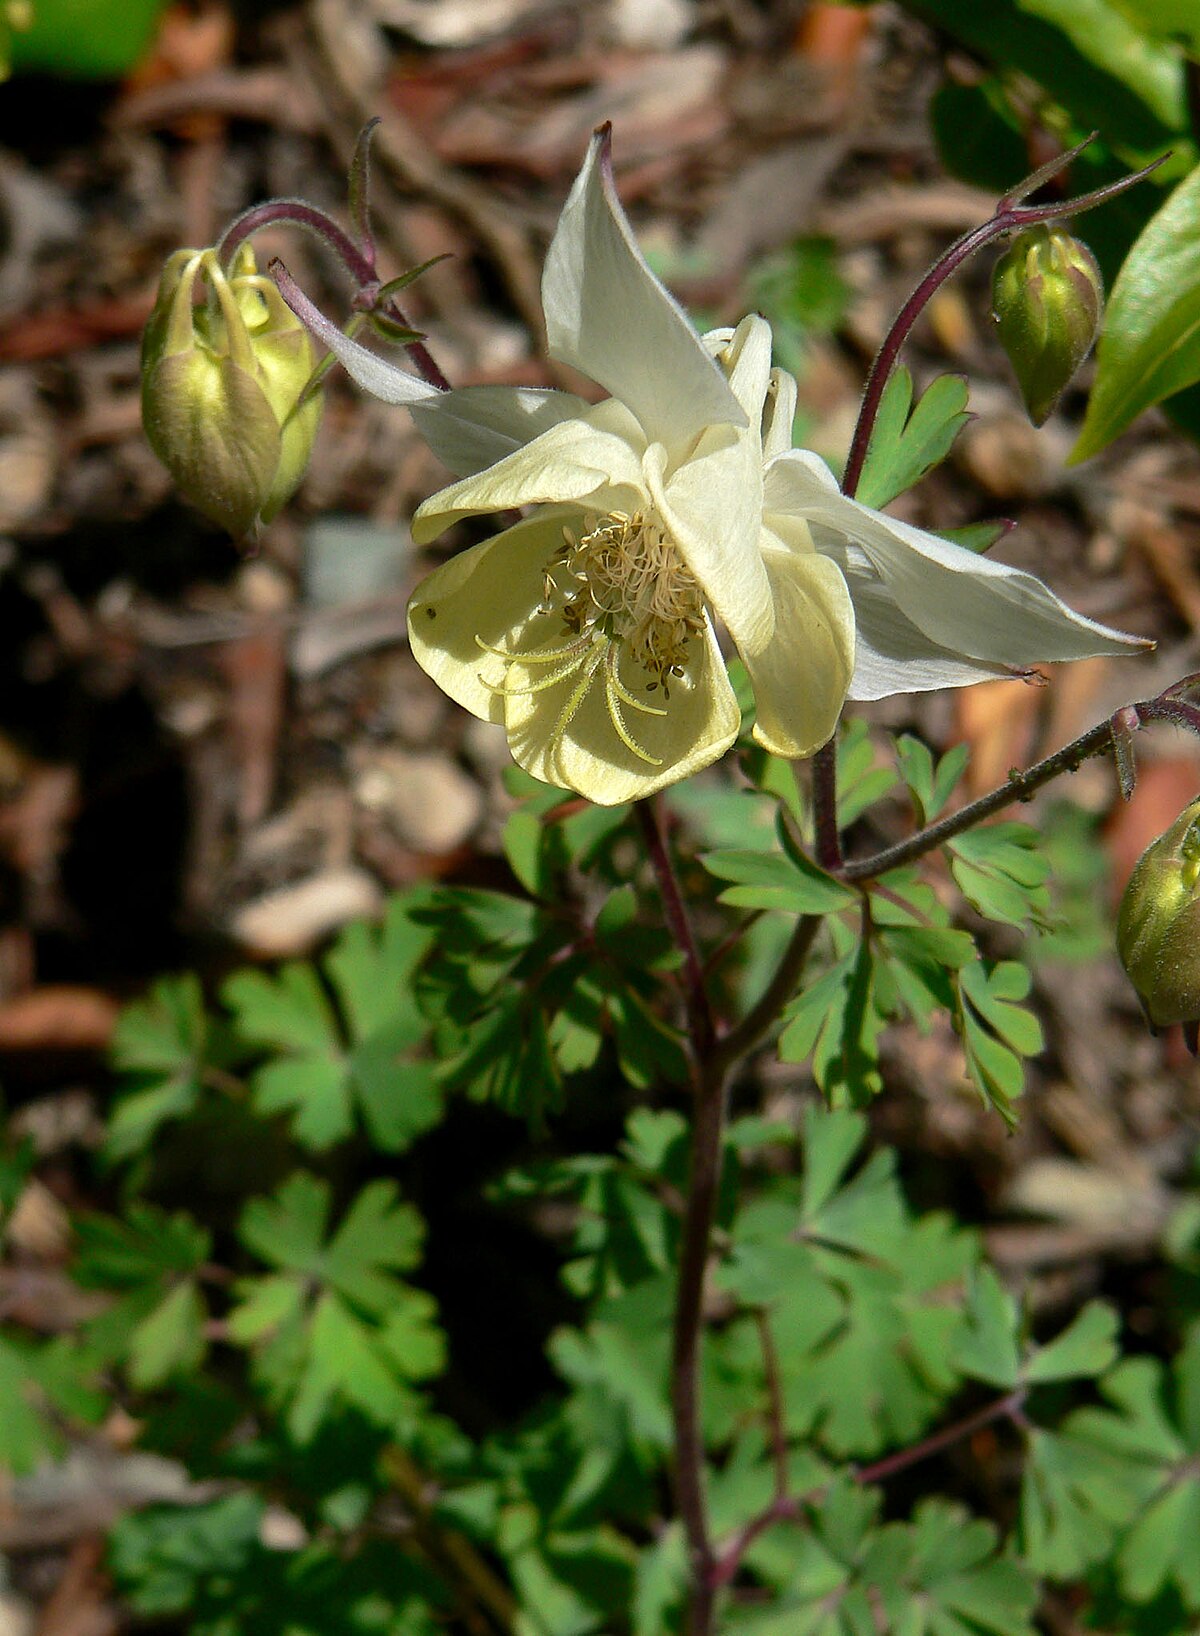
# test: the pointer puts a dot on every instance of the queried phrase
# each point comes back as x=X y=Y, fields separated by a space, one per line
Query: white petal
x=701 y=723
x=475 y=426
x=374 y=374
x=967 y=604
x=800 y=678
x=575 y=460
x=890 y=654
x=779 y=414
x=712 y=507
x=607 y=315
x=797 y=481
x=469 y=427
x=487 y=595
x=745 y=360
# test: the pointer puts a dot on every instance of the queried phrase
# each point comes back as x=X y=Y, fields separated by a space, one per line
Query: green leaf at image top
x=1085 y=53
x=85 y=39
x=1150 y=345
x=1165 y=19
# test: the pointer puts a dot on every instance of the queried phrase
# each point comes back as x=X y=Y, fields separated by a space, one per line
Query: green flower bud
x=14 y=16
x=221 y=385
x=1158 y=928
x=1047 y=300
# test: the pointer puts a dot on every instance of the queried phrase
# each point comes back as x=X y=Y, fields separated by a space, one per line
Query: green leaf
x=1123 y=1483
x=942 y=1575
x=1150 y=345
x=1087 y=1347
x=856 y=1295
x=836 y=1023
x=377 y=1232
x=1073 y=1496
x=524 y=841
x=832 y=1139
x=1160 y=1549
x=996 y=1033
x=334 y=1327
x=290 y=1014
x=170 y=1340
x=27 y=1434
x=288 y=1230
x=43 y=1384
x=625 y=1352
x=988 y=1346
x=660 y=1582
x=977 y=537
x=778 y=880
x=931 y=786
x=904 y=445
x=326 y=1063
x=1166 y=19
x=1002 y=872
x=156 y=1325
x=862 y=778
x=158 y=1049
x=164 y=1557
x=1084 y=54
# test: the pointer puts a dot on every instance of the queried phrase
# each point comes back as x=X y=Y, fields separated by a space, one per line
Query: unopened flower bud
x=221 y=388
x=1047 y=299
x=14 y=16
x=1158 y=928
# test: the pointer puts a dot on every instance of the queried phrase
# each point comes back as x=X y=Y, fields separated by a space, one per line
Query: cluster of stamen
x=622 y=588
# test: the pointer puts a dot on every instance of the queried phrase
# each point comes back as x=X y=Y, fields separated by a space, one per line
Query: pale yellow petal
x=712 y=506
x=779 y=414
x=800 y=678
x=590 y=458
x=587 y=754
x=486 y=595
x=745 y=360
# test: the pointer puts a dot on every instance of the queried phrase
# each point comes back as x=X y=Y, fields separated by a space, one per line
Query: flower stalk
x=1107 y=737
x=1010 y=216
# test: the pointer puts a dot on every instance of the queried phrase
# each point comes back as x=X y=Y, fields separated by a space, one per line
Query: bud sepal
x=1047 y=300
x=1158 y=927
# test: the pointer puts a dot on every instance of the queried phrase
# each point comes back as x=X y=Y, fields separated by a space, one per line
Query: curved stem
x=1010 y=215
x=359 y=263
x=889 y=352
x=712 y=1058
x=297 y=213
x=1007 y=1407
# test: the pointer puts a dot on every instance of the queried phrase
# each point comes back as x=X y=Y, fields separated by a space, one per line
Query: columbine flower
x=677 y=503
